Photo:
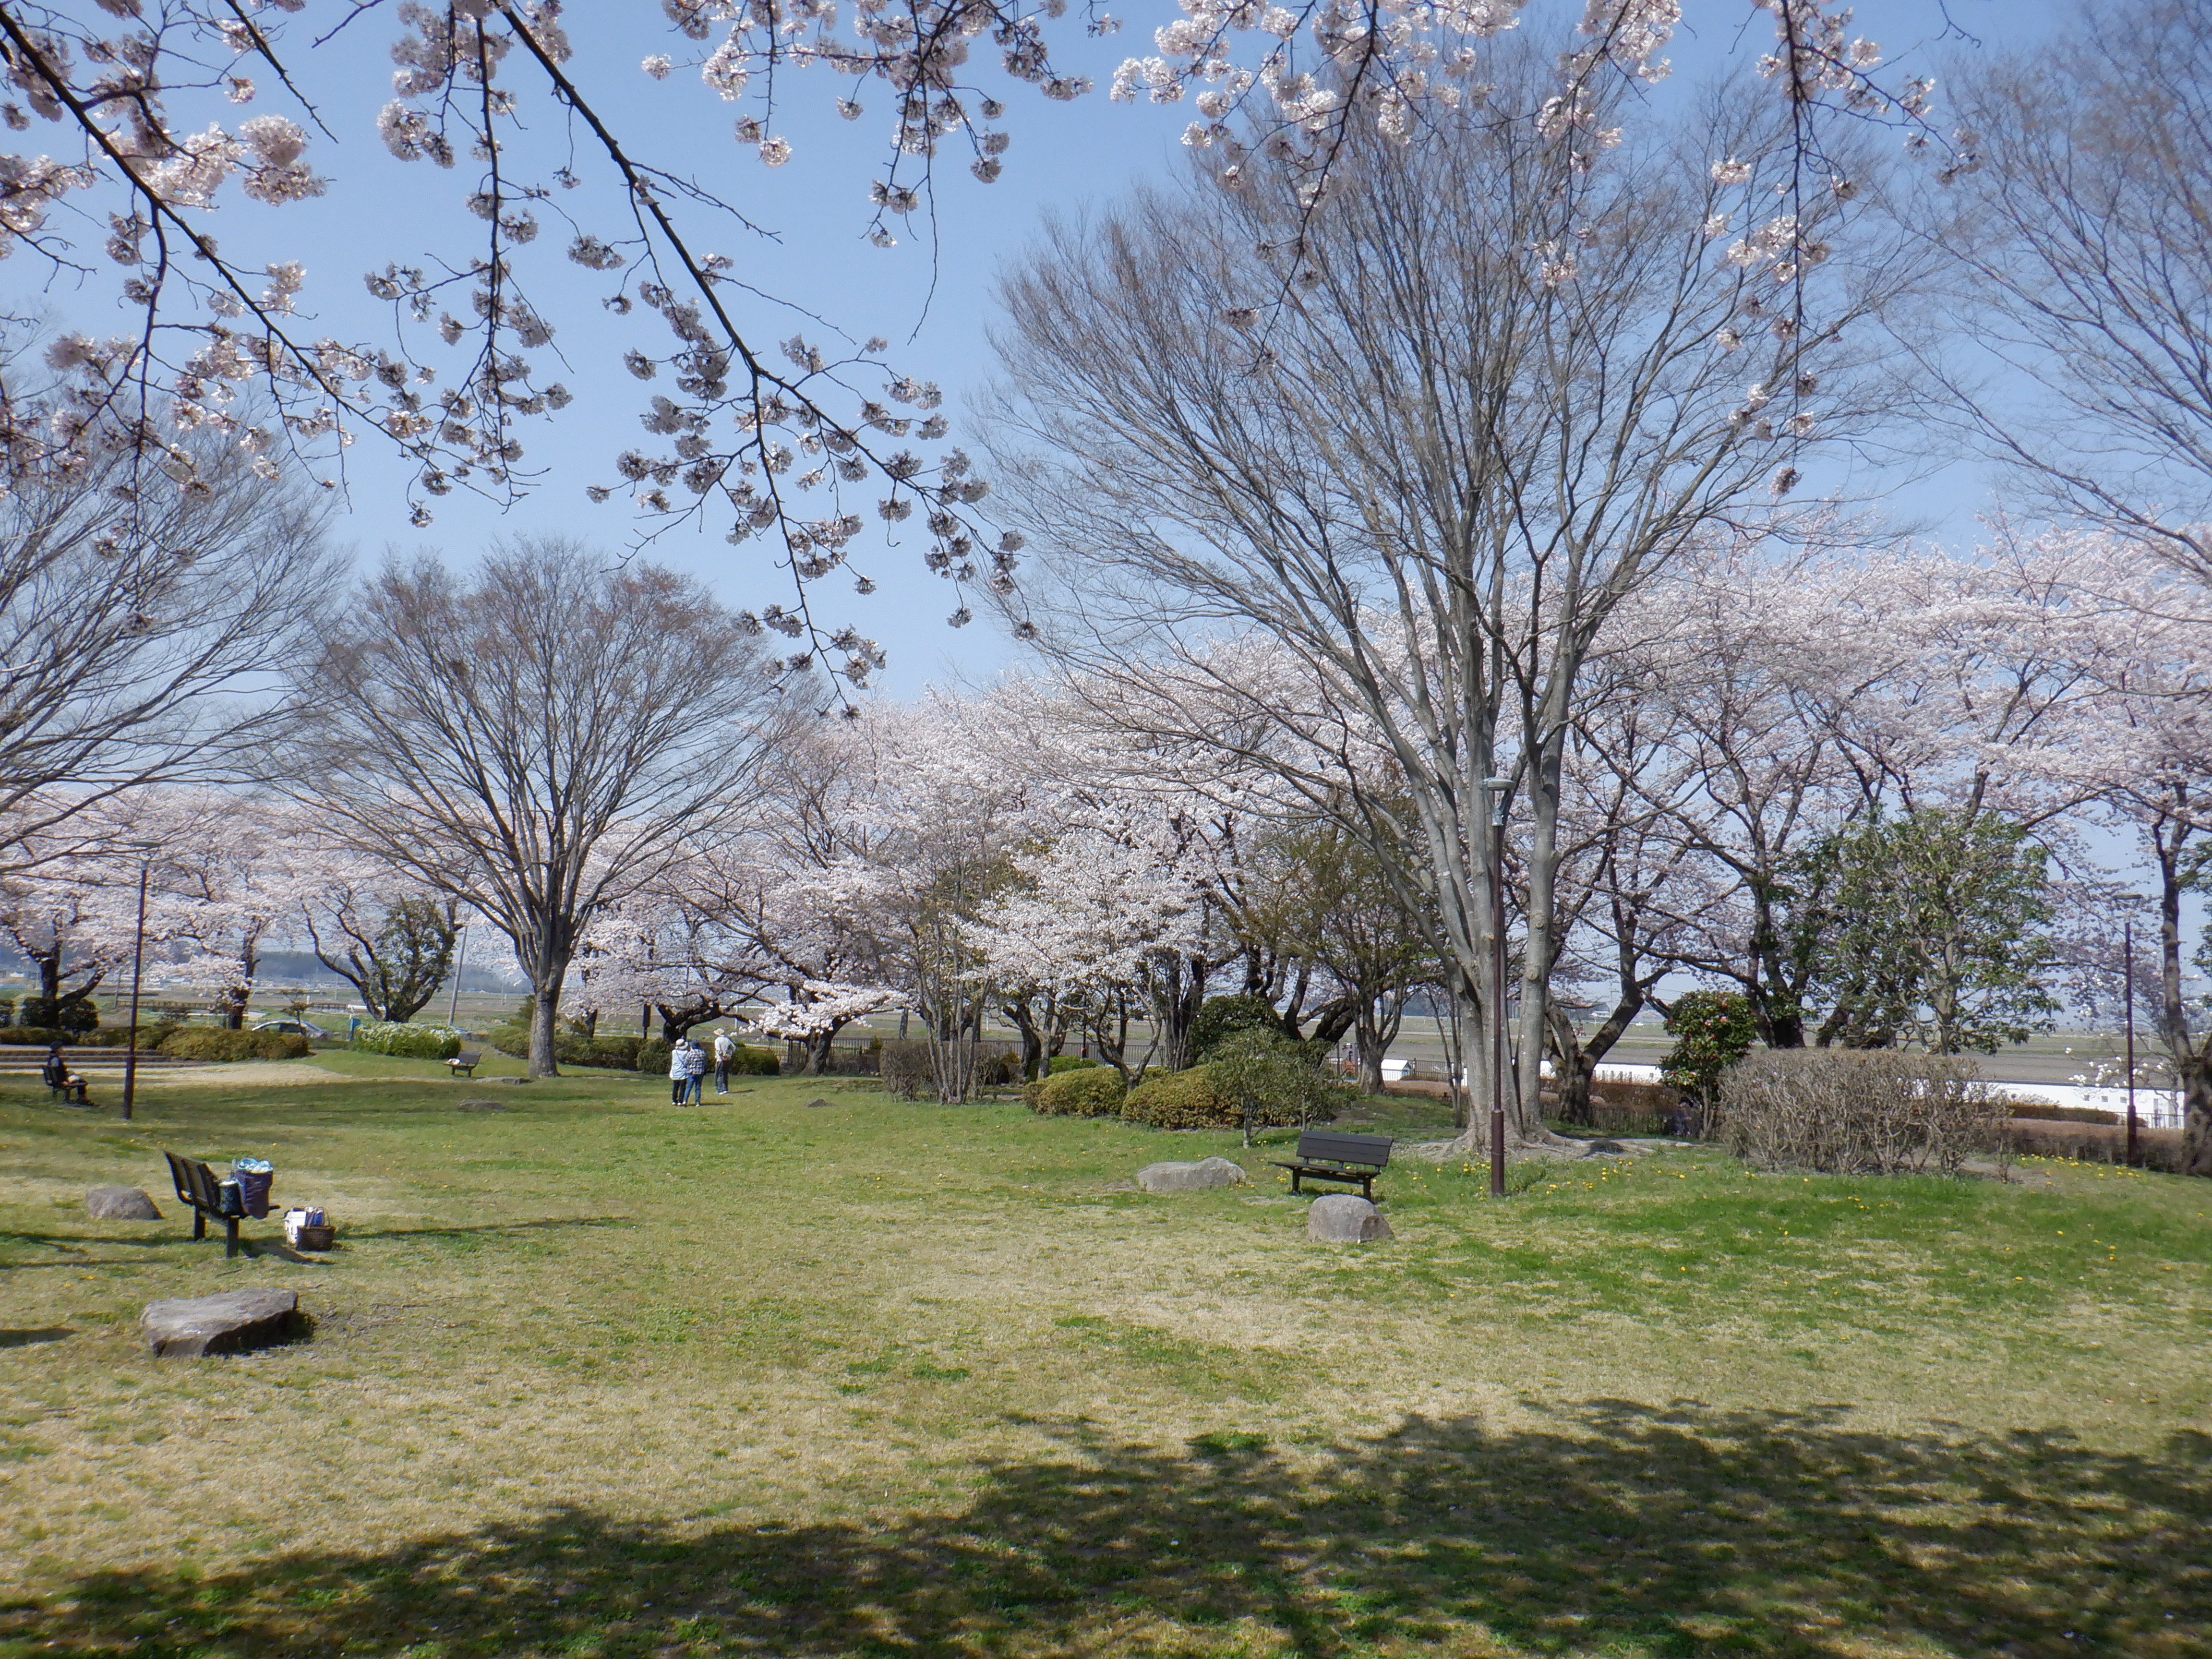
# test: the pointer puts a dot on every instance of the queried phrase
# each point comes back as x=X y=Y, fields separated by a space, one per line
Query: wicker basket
x=315 y=1238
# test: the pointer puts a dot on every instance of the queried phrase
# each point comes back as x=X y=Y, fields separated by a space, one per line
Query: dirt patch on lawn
x=245 y=1073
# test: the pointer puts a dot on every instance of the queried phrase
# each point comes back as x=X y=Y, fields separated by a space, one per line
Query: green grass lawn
x=591 y=1376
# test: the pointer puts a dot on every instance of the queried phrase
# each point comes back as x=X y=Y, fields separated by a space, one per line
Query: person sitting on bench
x=58 y=1077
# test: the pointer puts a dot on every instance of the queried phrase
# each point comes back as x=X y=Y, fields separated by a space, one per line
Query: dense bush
x=213 y=1043
x=1268 y=1079
x=754 y=1060
x=1070 y=1063
x=119 y=1037
x=1712 y=1031
x=1180 y=1100
x=1220 y=1017
x=1090 y=1091
x=58 y=1014
x=652 y=1056
x=408 y=1041
x=2051 y=1113
x=1855 y=1111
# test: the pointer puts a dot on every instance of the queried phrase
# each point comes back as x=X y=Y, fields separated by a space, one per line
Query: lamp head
x=1496 y=789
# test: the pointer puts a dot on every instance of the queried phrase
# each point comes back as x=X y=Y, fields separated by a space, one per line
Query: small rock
x=811 y=1104
x=233 y=1322
x=503 y=1080
x=120 y=1204
x=1341 y=1218
x=480 y=1104
x=1606 y=1147
x=1172 y=1177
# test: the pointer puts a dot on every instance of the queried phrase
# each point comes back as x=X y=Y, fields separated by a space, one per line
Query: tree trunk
x=1372 y=1045
x=545 y=1010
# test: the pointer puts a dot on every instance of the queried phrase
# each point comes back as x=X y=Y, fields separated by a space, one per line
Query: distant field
x=597 y=1376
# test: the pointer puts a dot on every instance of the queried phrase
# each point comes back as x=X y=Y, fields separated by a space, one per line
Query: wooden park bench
x=199 y=1187
x=74 y=1089
x=1328 y=1154
x=463 y=1064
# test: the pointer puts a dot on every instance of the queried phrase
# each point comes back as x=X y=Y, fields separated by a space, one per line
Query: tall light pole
x=460 y=961
x=2128 y=949
x=1497 y=789
x=137 y=970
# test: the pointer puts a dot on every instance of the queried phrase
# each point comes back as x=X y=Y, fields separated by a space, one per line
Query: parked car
x=295 y=1027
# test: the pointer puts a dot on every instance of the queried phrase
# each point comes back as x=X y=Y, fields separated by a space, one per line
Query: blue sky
x=931 y=295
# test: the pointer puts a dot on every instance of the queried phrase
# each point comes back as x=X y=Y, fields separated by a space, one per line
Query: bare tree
x=2093 y=256
x=1424 y=439
x=536 y=741
x=140 y=623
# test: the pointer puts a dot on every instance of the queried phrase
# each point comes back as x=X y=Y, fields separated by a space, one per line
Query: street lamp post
x=2128 y=949
x=460 y=961
x=137 y=970
x=1497 y=789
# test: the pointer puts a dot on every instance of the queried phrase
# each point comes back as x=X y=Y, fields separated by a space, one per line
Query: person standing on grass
x=725 y=1052
x=679 y=1076
x=695 y=1073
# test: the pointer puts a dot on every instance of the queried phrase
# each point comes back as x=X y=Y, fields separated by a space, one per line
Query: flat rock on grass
x=1173 y=1177
x=1341 y=1218
x=817 y=1101
x=235 y=1322
x=120 y=1204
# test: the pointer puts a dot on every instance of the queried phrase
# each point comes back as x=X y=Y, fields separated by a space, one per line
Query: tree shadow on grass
x=30 y=1339
x=1617 y=1528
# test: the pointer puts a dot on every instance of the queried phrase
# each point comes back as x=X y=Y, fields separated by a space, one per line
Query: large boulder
x=1341 y=1218
x=234 y=1322
x=120 y=1204
x=1172 y=1177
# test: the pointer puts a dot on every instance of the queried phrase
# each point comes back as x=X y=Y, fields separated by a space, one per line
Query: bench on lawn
x=199 y=1187
x=1330 y=1155
x=73 y=1090
x=463 y=1064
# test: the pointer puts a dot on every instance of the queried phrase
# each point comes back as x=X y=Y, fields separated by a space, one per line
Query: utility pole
x=2128 y=949
x=460 y=961
x=1496 y=789
x=137 y=969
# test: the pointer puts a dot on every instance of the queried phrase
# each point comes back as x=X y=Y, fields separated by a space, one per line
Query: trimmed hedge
x=59 y=1014
x=1181 y=1100
x=408 y=1041
x=652 y=1056
x=1091 y=1091
x=206 y=1043
x=1071 y=1063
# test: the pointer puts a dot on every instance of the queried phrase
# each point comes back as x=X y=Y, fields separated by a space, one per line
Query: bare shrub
x=1859 y=1112
x=907 y=1069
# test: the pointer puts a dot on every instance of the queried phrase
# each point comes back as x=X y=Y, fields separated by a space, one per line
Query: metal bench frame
x=1332 y=1155
x=463 y=1064
x=197 y=1185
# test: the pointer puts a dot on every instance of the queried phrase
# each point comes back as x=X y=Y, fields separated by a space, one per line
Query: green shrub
x=1222 y=1016
x=62 y=1014
x=1180 y=1100
x=408 y=1042
x=750 y=1061
x=2049 y=1112
x=213 y=1043
x=652 y=1056
x=1071 y=1063
x=39 y=1035
x=119 y=1037
x=1268 y=1079
x=1090 y=1091
x=7 y=1010
x=510 y=1039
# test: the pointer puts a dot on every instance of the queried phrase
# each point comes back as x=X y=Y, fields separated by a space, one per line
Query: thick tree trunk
x=545 y=1010
x=1372 y=1046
